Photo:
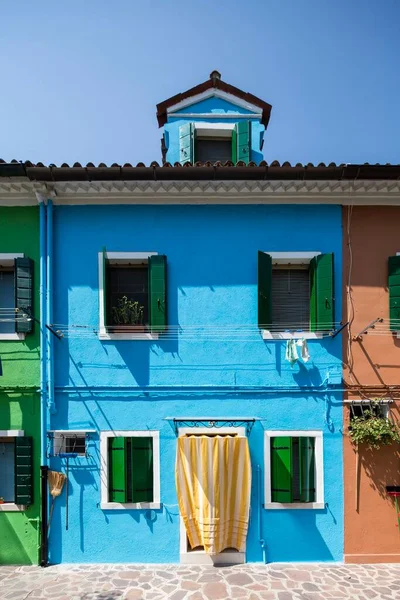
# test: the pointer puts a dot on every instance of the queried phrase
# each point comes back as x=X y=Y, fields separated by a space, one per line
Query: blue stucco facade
x=134 y=385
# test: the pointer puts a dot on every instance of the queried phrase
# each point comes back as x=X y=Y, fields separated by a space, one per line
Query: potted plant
x=1 y=500
x=127 y=315
x=373 y=430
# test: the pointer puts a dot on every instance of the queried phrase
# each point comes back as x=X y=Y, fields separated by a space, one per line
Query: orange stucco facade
x=371 y=370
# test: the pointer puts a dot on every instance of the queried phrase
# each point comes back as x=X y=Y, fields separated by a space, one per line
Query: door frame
x=199 y=557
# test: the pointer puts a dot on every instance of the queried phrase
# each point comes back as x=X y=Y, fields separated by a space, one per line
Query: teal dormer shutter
x=241 y=142
x=186 y=143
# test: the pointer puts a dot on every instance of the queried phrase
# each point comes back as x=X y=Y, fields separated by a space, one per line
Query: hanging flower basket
x=373 y=431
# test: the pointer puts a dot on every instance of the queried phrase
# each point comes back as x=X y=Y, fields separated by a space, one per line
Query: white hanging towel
x=304 y=353
x=291 y=352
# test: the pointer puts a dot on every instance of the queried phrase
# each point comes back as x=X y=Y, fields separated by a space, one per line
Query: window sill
x=294 y=505
x=296 y=335
x=11 y=507
x=105 y=335
x=130 y=505
x=16 y=337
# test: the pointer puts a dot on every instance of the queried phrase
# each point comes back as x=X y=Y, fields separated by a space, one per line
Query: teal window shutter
x=23 y=474
x=321 y=293
x=117 y=476
x=281 y=469
x=158 y=292
x=186 y=143
x=307 y=469
x=394 y=292
x=23 y=293
x=264 y=290
x=241 y=142
x=142 y=469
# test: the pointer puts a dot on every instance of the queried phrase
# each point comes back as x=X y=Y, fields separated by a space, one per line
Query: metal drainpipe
x=43 y=335
x=49 y=309
x=260 y=506
x=44 y=416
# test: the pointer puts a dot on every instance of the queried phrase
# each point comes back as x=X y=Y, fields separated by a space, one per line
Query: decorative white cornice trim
x=213 y=93
x=345 y=192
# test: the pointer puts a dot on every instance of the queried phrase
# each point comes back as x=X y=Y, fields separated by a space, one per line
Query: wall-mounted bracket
x=211 y=422
x=358 y=337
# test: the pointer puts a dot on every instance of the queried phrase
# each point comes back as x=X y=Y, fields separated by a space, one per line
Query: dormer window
x=214 y=142
x=213 y=149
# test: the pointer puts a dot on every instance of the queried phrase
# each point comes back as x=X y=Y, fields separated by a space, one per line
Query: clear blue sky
x=80 y=79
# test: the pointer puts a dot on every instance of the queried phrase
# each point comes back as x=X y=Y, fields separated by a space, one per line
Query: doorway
x=197 y=555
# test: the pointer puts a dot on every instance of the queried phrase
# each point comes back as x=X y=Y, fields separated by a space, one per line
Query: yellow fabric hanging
x=213 y=481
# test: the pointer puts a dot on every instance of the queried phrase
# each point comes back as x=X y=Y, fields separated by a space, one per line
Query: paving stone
x=215 y=591
x=178 y=595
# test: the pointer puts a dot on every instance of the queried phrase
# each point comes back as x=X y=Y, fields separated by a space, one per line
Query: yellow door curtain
x=213 y=481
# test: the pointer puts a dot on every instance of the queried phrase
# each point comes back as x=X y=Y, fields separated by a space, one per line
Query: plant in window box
x=373 y=430
x=127 y=315
x=1 y=500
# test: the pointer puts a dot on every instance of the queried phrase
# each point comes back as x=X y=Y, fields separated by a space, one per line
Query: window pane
x=75 y=444
x=7 y=471
x=213 y=150
x=7 y=300
x=291 y=298
x=131 y=282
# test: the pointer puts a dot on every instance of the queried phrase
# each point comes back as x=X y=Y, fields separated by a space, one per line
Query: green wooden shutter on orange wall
x=264 y=290
x=321 y=293
x=241 y=142
x=394 y=292
x=23 y=470
x=23 y=293
x=142 y=469
x=117 y=461
x=281 y=469
x=186 y=143
x=158 y=293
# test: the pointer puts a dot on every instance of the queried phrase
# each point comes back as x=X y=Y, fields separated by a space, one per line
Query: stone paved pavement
x=159 y=582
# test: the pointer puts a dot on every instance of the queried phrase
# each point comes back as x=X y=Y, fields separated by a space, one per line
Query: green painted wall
x=20 y=408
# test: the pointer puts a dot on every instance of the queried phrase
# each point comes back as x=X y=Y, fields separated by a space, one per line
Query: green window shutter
x=281 y=469
x=186 y=143
x=321 y=293
x=24 y=293
x=158 y=292
x=394 y=292
x=264 y=290
x=142 y=469
x=23 y=470
x=241 y=142
x=117 y=461
x=307 y=469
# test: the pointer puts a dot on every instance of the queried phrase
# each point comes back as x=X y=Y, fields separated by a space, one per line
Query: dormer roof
x=214 y=86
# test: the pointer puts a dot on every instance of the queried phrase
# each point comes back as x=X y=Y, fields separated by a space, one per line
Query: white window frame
x=200 y=557
x=292 y=258
x=104 y=502
x=120 y=257
x=11 y=506
x=319 y=471
x=7 y=260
